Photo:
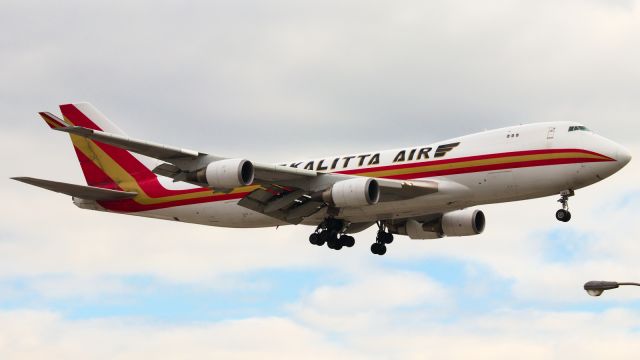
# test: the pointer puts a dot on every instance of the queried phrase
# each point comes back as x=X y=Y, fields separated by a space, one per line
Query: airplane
x=423 y=192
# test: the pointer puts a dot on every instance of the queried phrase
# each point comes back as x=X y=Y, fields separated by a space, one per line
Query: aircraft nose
x=623 y=156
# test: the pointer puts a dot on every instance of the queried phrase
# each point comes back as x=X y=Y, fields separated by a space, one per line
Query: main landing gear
x=383 y=238
x=331 y=232
x=563 y=214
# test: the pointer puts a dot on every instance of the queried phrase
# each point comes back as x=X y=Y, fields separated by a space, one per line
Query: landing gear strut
x=383 y=237
x=330 y=231
x=563 y=214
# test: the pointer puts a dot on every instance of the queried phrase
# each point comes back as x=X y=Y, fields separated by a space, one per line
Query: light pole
x=596 y=288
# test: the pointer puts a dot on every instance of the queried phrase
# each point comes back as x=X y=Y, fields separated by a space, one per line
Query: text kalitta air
x=344 y=162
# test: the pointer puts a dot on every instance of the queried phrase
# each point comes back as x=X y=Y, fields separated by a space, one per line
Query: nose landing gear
x=563 y=214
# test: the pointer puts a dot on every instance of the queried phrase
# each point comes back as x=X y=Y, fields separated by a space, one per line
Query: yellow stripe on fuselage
x=480 y=162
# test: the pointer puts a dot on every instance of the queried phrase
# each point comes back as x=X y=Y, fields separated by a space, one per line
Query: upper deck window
x=578 y=128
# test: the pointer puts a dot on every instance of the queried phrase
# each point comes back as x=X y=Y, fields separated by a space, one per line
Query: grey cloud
x=251 y=77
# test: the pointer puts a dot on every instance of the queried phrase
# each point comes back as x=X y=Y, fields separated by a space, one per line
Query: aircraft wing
x=293 y=205
x=285 y=192
x=157 y=151
x=179 y=160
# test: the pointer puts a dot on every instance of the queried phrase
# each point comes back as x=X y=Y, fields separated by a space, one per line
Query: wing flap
x=78 y=191
x=287 y=205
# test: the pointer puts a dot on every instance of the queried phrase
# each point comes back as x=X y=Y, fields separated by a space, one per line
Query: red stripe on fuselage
x=492 y=167
x=132 y=206
x=129 y=205
x=468 y=158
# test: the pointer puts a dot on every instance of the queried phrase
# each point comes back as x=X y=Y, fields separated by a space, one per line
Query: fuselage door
x=551 y=133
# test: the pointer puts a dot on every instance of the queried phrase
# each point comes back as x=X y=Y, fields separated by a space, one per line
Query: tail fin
x=103 y=165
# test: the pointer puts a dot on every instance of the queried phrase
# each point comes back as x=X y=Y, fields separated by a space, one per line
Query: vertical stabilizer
x=103 y=165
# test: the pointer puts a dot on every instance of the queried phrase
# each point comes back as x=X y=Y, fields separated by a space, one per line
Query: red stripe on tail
x=145 y=178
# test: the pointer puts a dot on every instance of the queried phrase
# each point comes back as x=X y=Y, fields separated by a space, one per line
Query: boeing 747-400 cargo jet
x=423 y=192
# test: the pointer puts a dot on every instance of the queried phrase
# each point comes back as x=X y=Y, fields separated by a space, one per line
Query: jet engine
x=226 y=174
x=463 y=222
x=455 y=223
x=352 y=193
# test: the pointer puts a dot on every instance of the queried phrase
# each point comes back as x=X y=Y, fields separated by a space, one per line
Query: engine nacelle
x=456 y=223
x=227 y=174
x=463 y=222
x=353 y=192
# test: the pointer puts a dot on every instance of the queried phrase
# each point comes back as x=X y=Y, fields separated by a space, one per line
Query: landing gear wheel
x=322 y=238
x=334 y=242
x=563 y=215
x=335 y=246
x=314 y=239
x=384 y=237
x=347 y=240
x=378 y=248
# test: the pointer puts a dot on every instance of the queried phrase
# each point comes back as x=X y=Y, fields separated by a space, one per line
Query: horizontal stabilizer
x=78 y=191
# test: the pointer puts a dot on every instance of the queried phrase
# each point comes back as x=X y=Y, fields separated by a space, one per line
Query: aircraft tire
x=314 y=239
x=322 y=238
x=347 y=240
x=378 y=248
x=334 y=243
x=563 y=215
x=384 y=237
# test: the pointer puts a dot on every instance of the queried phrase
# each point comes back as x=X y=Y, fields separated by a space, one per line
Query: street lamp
x=596 y=288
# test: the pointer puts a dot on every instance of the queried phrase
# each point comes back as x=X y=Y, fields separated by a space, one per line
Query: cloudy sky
x=278 y=80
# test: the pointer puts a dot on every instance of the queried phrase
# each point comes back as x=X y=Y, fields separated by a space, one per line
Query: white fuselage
x=489 y=180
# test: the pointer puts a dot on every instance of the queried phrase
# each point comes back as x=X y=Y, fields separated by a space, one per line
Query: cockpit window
x=578 y=128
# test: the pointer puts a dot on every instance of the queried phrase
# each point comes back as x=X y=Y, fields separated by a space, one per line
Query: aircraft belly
x=223 y=214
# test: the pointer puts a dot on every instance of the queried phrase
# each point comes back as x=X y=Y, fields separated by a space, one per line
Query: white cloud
x=496 y=335
x=320 y=79
x=380 y=289
x=37 y=335
x=368 y=301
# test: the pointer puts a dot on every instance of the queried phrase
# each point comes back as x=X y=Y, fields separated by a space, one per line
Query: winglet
x=53 y=121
